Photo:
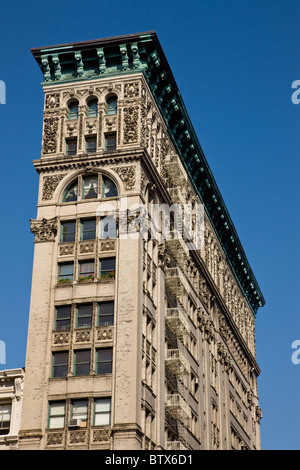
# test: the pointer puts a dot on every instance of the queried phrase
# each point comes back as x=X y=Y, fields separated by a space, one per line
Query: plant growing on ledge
x=108 y=275
x=64 y=281
x=90 y=277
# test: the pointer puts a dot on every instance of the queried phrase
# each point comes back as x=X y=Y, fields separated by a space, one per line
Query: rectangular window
x=102 y=410
x=57 y=413
x=60 y=364
x=79 y=410
x=107 y=268
x=63 y=317
x=65 y=272
x=110 y=142
x=108 y=227
x=91 y=144
x=68 y=231
x=86 y=270
x=88 y=229
x=104 y=361
x=84 y=315
x=105 y=313
x=82 y=362
x=5 y=417
x=71 y=147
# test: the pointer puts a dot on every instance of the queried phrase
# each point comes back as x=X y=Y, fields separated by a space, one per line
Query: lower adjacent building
x=11 y=396
x=139 y=337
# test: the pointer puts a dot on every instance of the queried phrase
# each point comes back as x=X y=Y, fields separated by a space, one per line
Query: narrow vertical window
x=108 y=188
x=57 y=413
x=104 y=361
x=60 y=364
x=86 y=270
x=102 y=411
x=106 y=313
x=63 y=318
x=84 y=315
x=82 y=362
x=111 y=105
x=110 y=142
x=88 y=229
x=68 y=230
x=107 y=268
x=5 y=417
x=92 y=108
x=90 y=187
x=108 y=227
x=73 y=110
x=79 y=410
x=71 y=147
x=91 y=144
x=65 y=272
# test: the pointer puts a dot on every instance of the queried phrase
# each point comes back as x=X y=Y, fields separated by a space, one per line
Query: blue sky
x=234 y=62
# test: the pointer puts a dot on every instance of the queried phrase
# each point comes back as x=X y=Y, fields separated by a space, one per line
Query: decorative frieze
x=105 y=333
x=61 y=337
x=101 y=435
x=50 y=184
x=55 y=438
x=52 y=101
x=50 y=134
x=127 y=176
x=130 y=128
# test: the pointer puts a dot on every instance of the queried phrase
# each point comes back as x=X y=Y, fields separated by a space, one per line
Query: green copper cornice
x=143 y=53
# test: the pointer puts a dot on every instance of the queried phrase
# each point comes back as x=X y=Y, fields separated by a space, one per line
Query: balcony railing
x=176 y=362
x=177 y=321
x=177 y=406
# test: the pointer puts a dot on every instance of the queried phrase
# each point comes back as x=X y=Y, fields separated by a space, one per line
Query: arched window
x=111 y=105
x=90 y=187
x=92 y=108
x=71 y=194
x=73 y=110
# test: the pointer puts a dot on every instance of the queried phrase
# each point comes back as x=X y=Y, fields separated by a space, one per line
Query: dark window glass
x=91 y=145
x=73 y=110
x=111 y=142
x=106 y=313
x=68 y=230
x=63 y=317
x=84 y=315
x=5 y=417
x=107 y=267
x=88 y=229
x=111 y=105
x=72 y=147
x=60 y=364
x=104 y=361
x=92 y=108
x=82 y=362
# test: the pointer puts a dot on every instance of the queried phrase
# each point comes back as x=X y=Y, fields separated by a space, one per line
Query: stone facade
x=174 y=367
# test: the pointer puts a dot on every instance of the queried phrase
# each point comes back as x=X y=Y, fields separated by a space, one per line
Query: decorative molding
x=127 y=176
x=44 y=230
x=50 y=184
x=50 y=134
x=130 y=130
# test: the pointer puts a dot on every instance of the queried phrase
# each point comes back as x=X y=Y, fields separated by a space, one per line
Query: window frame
x=83 y=232
x=89 y=139
x=56 y=366
x=90 y=316
x=66 y=318
x=110 y=148
x=105 y=412
x=69 y=152
x=105 y=273
x=65 y=223
x=65 y=277
x=77 y=364
x=90 y=275
x=104 y=362
x=94 y=112
x=103 y=315
x=5 y=425
x=112 y=110
x=71 y=114
x=50 y=405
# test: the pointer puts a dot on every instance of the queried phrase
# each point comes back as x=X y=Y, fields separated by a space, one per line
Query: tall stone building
x=137 y=338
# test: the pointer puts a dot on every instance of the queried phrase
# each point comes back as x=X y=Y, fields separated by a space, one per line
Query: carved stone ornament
x=50 y=134
x=130 y=124
x=101 y=435
x=44 y=230
x=50 y=184
x=131 y=90
x=54 y=438
x=127 y=176
x=52 y=101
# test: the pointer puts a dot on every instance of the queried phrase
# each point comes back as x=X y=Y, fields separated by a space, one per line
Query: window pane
x=106 y=313
x=72 y=147
x=88 y=229
x=57 y=415
x=102 y=411
x=71 y=194
x=108 y=227
x=90 y=187
x=91 y=145
x=60 y=364
x=111 y=142
x=92 y=108
x=108 y=266
x=68 y=230
x=109 y=188
x=86 y=269
x=63 y=317
x=65 y=271
x=104 y=361
x=73 y=111
x=111 y=106
x=82 y=362
x=80 y=409
x=84 y=315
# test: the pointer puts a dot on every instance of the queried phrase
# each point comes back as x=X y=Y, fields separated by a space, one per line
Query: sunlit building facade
x=137 y=339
